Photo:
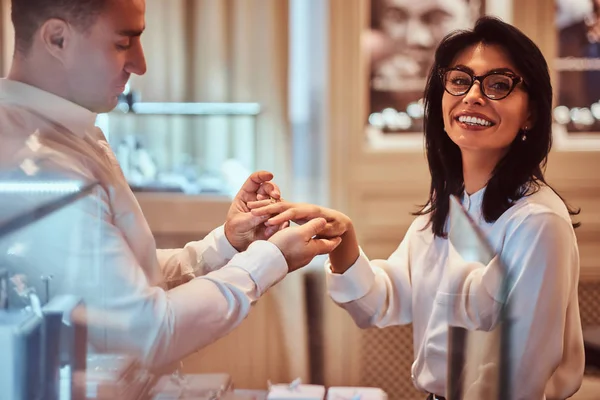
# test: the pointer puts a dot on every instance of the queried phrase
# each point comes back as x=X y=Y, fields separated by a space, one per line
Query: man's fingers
x=269 y=189
x=297 y=215
x=255 y=180
x=283 y=211
x=270 y=231
x=247 y=221
x=270 y=208
x=312 y=228
x=329 y=231
x=257 y=220
x=325 y=246
x=258 y=204
x=288 y=215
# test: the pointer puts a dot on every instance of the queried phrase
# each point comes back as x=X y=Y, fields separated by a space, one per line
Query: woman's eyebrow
x=493 y=70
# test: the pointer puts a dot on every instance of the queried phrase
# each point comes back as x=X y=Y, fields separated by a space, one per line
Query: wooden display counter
x=177 y=218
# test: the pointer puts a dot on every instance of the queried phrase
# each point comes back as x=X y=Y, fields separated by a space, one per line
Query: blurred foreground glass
x=43 y=341
x=478 y=361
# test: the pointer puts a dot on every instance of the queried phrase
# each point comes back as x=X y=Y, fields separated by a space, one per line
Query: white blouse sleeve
x=375 y=293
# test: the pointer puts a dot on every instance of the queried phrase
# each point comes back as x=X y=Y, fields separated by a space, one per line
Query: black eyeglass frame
x=516 y=79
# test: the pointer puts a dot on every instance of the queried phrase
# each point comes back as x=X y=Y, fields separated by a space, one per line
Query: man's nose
x=137 y=61
x=419 y=34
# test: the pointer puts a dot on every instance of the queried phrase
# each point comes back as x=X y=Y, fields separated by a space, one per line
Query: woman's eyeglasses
x=494 y=85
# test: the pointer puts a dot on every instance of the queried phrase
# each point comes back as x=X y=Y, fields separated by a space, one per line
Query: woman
x=488 y=133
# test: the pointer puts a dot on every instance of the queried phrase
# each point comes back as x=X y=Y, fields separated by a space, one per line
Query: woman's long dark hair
x=521 y=170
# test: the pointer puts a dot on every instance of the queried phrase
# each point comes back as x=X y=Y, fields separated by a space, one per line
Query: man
x=72 y=60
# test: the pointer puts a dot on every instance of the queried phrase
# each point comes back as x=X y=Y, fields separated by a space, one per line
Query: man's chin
x=106 y=107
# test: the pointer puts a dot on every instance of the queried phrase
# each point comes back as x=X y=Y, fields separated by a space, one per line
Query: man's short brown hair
x=29 y=15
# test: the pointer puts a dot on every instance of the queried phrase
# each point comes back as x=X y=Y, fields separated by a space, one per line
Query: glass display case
x=40 y=359
x=26 y=202
x=27 y=199
x=192 y=148
x=44 y=323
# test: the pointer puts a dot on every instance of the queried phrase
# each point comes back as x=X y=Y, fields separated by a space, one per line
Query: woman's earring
x=524 y=134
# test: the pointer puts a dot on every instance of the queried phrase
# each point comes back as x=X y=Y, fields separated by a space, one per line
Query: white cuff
x=353 y=284
x=264 y=262
x=224 y=248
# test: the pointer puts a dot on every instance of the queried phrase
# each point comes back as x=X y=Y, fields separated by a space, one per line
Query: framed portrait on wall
x=577 y=67
x=399 y=45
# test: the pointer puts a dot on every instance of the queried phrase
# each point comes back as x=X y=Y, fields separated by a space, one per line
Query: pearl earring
x=524 y=135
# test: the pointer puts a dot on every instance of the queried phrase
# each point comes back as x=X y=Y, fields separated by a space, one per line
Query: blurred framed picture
x=399 y=45
x=577 y=67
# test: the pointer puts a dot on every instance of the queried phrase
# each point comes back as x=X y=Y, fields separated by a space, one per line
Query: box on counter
x=192 y=386
x=245 y=394
x=355 y=393
x=296 y=391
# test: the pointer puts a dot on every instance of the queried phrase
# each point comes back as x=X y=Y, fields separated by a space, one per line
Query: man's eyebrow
x=131 y=32
x=430 y=13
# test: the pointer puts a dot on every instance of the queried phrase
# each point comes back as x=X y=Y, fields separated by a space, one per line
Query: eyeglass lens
x=495 y=86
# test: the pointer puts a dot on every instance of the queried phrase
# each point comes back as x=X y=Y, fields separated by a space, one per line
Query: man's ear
x=56 y=34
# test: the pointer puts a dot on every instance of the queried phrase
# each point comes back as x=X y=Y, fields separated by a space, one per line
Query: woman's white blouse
x=426 y=282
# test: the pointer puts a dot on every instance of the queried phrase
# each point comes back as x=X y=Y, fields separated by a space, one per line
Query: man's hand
x=301 y=213
x=241 y=227
x=299 y=244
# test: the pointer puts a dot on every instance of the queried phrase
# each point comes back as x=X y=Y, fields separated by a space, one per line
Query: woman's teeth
x=474 y=121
